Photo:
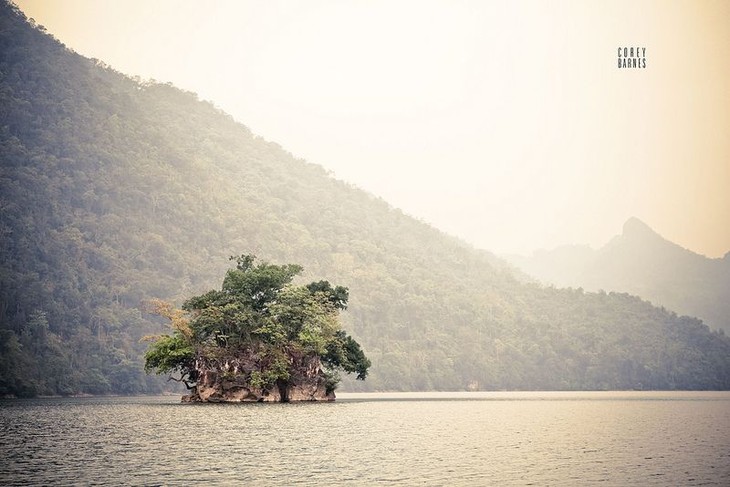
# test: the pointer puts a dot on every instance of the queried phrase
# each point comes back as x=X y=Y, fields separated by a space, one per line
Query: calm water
x=363 y=439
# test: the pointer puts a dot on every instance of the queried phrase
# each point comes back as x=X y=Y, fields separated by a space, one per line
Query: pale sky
x=508 y=124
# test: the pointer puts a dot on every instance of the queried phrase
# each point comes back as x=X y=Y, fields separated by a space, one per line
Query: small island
x=258 y=339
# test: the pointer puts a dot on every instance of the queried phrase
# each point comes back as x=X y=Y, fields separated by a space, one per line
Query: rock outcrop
x=233 y=380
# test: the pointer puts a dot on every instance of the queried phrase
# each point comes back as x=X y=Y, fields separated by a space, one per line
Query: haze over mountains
x=641 y=262
x=114 y=191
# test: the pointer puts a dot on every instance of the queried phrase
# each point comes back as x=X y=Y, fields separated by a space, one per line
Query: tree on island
x=258 y=338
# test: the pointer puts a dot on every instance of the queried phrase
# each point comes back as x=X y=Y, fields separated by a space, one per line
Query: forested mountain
x=641 y=262
x=113 y=191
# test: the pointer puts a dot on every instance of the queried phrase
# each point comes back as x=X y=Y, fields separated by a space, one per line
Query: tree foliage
x=259 y=313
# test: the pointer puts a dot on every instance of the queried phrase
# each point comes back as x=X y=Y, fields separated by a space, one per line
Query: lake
x=496 y=438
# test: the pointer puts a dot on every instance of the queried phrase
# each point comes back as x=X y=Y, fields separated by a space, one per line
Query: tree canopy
x=258 y=313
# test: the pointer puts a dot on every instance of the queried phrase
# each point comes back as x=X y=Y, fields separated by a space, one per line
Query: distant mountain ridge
x=641 y=262
x=114 y=191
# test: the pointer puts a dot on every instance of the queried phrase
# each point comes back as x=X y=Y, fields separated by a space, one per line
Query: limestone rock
x=230 y=381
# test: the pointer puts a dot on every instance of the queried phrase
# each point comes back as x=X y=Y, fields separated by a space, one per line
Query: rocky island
x=258 y=339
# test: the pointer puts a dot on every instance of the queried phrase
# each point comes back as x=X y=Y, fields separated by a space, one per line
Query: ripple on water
x=508 y=438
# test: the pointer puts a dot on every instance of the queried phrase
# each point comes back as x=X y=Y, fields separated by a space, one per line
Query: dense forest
x=641 y=262
x=115 y=190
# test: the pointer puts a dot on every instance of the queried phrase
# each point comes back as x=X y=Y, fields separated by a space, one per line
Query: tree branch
x=183 y=380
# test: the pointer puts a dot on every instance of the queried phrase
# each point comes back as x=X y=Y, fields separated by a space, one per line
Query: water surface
x=538 y=438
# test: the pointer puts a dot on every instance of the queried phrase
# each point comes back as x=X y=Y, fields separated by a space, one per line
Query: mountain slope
x=641 y=262
x=114 y=191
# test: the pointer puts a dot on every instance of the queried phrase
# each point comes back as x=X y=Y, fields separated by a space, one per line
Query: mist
x=507 y=125
x=292 y=257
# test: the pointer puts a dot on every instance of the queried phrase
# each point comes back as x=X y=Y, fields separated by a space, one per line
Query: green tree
x=258 y=313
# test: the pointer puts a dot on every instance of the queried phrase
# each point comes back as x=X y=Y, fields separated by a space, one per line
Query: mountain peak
x=636 y=228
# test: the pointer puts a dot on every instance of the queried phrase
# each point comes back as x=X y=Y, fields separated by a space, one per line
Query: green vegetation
x=113 y=190
x=260 y=316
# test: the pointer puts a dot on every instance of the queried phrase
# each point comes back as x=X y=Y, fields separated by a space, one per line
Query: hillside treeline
x=114 y=190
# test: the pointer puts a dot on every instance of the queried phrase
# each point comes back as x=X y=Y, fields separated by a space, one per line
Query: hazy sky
x=508 y=124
